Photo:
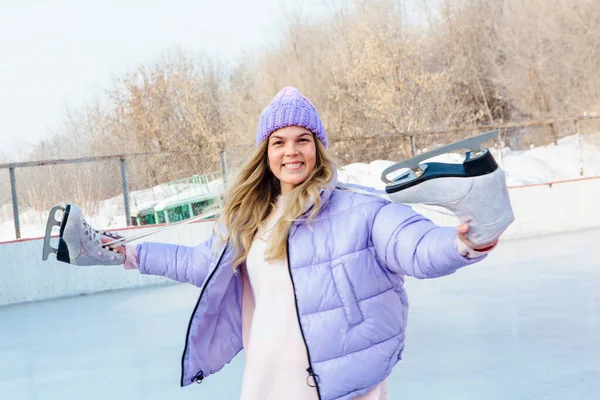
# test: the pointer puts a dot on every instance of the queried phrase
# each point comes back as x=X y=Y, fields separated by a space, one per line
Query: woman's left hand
x=461 y=231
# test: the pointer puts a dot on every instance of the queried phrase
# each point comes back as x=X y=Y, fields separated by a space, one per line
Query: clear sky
x=59 y=53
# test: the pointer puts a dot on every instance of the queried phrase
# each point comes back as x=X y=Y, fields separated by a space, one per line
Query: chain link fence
x=116 y=191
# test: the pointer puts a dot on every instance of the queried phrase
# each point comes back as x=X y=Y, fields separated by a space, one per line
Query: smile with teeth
x=293 y=166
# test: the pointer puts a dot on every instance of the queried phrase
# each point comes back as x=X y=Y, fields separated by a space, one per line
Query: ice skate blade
x=52 y=222
x=472 y=143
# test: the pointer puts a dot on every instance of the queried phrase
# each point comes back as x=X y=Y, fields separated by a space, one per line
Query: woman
x=305 y=277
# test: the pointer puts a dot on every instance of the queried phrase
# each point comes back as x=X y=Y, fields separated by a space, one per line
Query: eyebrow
x=280 y=137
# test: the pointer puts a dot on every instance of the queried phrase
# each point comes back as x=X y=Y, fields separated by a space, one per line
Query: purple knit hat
x=288 y=108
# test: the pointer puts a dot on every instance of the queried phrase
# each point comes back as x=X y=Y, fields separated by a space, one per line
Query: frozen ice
x=522 y=324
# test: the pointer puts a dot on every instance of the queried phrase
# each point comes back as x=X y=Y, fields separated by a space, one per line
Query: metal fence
x=113 y=188
x=110 y=186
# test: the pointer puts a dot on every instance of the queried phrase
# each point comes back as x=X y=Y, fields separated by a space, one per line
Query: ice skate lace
x=92 y=234
x=96 y=236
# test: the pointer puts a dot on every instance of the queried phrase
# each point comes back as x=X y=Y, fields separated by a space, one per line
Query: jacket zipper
x=310 y=367
x=200 y=375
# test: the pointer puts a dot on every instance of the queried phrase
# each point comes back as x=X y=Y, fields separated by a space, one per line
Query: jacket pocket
x=347 y=295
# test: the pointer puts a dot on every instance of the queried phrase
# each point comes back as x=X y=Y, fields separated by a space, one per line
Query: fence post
x=413 y=151
x=500 y=146
x=125 y=190
x=578 y=136
x=223 y=168
x=13 y=191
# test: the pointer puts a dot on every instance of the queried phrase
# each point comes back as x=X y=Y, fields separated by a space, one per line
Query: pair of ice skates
x=474 y=191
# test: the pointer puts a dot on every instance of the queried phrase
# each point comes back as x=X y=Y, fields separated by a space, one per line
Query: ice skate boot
x=475 y=191
x=78 y=242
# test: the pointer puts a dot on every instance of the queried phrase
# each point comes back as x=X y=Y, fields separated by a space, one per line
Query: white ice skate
x=78 y=242
x=475 y=191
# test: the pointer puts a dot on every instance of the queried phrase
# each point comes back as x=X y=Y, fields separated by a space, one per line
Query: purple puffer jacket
x=347 y=270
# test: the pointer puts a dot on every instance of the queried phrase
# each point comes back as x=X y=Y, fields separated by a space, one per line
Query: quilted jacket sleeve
x=408 y=243
x=180 y=263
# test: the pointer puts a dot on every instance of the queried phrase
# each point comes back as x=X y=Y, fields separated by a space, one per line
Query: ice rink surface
x=522 y=324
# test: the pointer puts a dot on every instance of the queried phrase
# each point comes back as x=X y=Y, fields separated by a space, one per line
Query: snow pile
x=538 y=165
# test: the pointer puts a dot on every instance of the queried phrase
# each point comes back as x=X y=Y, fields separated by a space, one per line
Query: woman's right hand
x=130 y=255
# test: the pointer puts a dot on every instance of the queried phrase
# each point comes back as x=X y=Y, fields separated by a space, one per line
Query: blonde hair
x=253 y=197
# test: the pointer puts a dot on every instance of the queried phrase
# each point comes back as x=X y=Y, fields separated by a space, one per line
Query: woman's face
x=292 y=155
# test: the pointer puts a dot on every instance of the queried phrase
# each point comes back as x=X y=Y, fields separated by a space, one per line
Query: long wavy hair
x=253 y=197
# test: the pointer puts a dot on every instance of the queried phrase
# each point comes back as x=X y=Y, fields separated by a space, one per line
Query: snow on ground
x=536 y=165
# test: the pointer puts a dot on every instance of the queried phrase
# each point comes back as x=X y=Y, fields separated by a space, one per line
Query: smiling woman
x=304 y=276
